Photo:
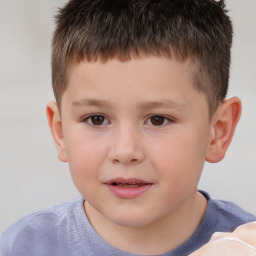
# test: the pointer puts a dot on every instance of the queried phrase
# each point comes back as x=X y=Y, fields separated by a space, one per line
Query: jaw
x=153 y=238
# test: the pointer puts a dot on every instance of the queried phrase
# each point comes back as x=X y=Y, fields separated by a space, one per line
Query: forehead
x=135 y=70
x=150 y=82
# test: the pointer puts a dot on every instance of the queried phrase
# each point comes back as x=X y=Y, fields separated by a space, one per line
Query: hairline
x=194 y=63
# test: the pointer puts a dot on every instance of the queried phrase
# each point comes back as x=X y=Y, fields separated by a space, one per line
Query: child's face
x=136 y=135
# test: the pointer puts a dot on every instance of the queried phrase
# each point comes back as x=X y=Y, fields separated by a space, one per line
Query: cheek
x=85 y=158
x=180 y=160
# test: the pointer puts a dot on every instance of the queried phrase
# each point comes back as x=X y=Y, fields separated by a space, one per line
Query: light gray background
x=31 y=177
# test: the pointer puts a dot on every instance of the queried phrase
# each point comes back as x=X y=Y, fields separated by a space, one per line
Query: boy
x=140 y=88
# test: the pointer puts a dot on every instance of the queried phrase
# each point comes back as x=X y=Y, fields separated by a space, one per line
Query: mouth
x=128 y=188
x=127 y=183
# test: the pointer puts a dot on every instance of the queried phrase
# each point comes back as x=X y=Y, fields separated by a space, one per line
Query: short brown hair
x=198 y=30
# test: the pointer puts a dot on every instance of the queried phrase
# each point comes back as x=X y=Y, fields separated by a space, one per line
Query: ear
x=223 y=126
x=55 y=125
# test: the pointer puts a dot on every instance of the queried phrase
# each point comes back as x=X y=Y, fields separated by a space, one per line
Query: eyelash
x=166 y=120
x=88 y=119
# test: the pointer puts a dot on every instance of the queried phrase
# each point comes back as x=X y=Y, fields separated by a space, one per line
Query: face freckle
x=153 y=143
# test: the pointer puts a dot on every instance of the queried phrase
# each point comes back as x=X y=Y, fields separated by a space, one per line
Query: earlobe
x=223 y=126
x=55 y=125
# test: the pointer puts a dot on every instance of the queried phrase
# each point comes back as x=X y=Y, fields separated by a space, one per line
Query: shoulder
x=44 y=225
x=49 y=217
x=232 y=210
x=229 y=214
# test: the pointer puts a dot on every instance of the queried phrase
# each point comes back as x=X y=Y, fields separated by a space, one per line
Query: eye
x=158 y=120
x=96 y=120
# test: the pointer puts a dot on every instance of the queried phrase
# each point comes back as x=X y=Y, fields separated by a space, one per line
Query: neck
x=155 y=238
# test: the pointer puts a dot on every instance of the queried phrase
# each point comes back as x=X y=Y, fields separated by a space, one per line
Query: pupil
x=97 y=120
x=157 y=120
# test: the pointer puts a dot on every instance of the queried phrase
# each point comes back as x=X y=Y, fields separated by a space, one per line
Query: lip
x=128 y=188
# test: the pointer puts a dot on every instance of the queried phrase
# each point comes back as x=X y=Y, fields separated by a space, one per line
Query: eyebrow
x=167 y=104
x=91 y=102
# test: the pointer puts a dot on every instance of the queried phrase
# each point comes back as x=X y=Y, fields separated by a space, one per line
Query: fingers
x=218 y=235
x=240 y=242
x=222 y=247
x=247 y=233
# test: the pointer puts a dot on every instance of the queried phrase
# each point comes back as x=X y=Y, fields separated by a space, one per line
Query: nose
x=126 y=146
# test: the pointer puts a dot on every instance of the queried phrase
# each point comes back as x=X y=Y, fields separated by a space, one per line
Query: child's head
x=135 y=81
x=194 y=30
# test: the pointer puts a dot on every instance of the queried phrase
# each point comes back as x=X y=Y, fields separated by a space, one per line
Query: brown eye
x=96 y=120
x=158 y=120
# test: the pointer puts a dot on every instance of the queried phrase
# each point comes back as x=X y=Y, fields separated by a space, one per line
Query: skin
x=219 y=247
x=151 y=124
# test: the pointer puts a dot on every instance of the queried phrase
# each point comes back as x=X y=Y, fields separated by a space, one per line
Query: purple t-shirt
x=64 y=230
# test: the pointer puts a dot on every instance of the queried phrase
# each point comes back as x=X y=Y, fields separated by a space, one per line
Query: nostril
x=115 y=160
x=125 y=156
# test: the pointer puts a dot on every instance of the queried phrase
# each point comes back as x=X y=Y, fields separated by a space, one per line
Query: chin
x=131 y=220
